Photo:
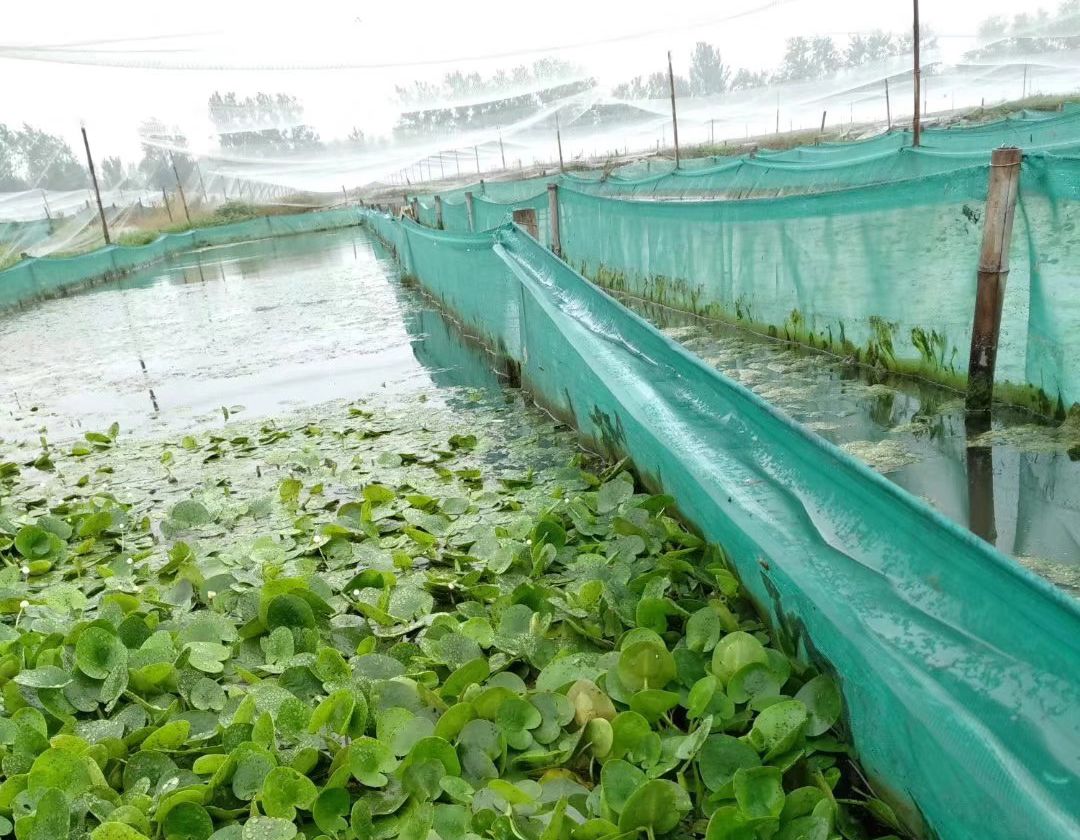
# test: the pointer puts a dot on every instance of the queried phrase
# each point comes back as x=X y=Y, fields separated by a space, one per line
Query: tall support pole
x=416 y=209
x=442 y=168
x=674 y=116
x=558 y=138
x=916 y=127
x=457 y=161
x=553 y=219
x=469 y=212
x=180 y=188
x=45 y=201
x=823 y=114
x=993 y=274
x=438 y=213
x=97 y=192
x=502 y=151
x=712 y=132
x=476 y=151
x=168 y=209
x=888 y=106
x=202 y=185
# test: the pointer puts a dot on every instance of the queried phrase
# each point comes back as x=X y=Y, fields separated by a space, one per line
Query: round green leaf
x=721 y=757
x=646 y=664
x=822 y=700
x=759 y=791
x=99 y=653
x=284 y=790
x=657 y=806
x=187 y=821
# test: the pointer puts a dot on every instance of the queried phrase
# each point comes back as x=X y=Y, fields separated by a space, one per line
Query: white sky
x=334 y=54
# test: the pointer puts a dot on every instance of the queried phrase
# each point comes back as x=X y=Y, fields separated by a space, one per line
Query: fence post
x=993 y=273
x=438 y=213
x=416 y=209
x=469 y=211
x=553 y=219
x=526 y=218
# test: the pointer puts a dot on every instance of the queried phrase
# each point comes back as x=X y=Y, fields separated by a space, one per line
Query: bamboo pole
x=97 y=192
x=674 y=116
x=993 y=274
x=168 y=209
x=916 y=127
x=558 y=138
x=469 y=211
x=180 y=188
x=553 y=219
x=202 y=185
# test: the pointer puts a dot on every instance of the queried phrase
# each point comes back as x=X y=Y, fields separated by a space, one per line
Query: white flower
x=356 y=593
x=210 y=593
x=23 y=605
x=528 y=541
x=25 y=570
x=130 y=561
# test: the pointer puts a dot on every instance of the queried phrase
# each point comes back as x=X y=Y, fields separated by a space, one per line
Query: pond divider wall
x=35 y=279
x=959 y=668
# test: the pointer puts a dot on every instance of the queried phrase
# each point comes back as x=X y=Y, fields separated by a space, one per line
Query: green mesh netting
x=866 y=249
x=972 y=662
x=34 y=278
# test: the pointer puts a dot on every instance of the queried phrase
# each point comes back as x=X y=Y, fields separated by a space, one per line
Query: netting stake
x=916 y=128
x=97 y=192
x=993 y=274
x=558 y=138
x=674 y=117
x=553 y=219
x=438 y=213
x=168 y=209
x=469 y=212
x=888 y=107
x=525 y=217
x=180 y=188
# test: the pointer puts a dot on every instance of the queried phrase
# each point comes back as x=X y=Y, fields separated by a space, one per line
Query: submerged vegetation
x=374 y=624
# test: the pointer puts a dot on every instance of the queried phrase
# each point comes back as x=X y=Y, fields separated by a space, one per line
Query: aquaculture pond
x=1015 y=483
x=235 y=609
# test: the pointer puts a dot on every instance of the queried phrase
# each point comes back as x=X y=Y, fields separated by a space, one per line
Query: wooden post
x=416 y=209
x=553 y=219
x=202 y=185
x=469 y=211
x=97 y=192
x=888 y=106
x=180 y=188
x=438 y=213
x=558 y=138
x=1023 y=94
x=476 y=151
x=674 y=117
x=823 y=113
x=442 y=168
x=483 y=189
x=712 y=132
x=165 y=198
x=526 y=218
x=45 y=201
x=502 y=151
x=916 y=128
x=993 y=273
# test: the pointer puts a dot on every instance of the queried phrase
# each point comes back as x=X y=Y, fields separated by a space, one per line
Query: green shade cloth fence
x=885 y=272
x=35 y=278
x=960 y=669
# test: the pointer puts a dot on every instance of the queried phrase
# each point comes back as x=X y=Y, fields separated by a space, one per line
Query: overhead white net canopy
x=274 y=104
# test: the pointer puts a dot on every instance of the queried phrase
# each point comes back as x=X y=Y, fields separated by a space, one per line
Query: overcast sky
x=111 y=64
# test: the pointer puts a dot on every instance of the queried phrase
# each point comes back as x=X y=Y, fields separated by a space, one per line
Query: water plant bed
x=371 y=622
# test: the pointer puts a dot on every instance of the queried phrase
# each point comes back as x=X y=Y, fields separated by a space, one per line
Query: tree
x=708 y=73
x=266 y=123
x=808 y=58
x=163 y=147
x=112 y=172
x=654 y=86
x=32 y=158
